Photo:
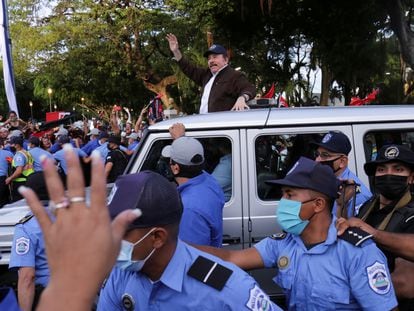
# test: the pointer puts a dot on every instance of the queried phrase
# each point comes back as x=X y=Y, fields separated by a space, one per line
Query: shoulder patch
x=128 y=302
x=22 y=246
x=378 y=278
x=209 y=272
x=25 y=219
x=258 y=300
x=278 y=236
x=355 y=236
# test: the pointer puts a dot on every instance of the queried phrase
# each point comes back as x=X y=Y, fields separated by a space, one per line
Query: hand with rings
x=81 y=244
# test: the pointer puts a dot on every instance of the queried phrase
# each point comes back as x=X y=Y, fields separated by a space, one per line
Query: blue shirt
x=133 y=146
x=56 y=146
x=28 y=250
x=363 y=194
x=103 y=150
x=90 y=146
x=176 y=290
x=8 y=301
x=36 y=153
x=223 y=174
x=19 y=159
x=333 y=275
x=4 y=164
x=202 y=219
x=60 y=157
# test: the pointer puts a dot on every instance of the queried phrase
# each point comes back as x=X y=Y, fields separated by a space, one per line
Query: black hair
x=188 y=171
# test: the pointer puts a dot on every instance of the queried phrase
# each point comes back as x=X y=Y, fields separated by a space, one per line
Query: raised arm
x=174 y=47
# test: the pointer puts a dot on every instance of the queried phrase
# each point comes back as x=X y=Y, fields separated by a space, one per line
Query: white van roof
x=274 y=117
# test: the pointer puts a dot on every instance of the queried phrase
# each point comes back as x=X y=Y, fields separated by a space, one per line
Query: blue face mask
x=124 y=260
x=287 y=214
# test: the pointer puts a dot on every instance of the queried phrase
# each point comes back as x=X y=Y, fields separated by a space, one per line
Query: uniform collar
x=191 y=181
x=175 y=271
x=321 y=247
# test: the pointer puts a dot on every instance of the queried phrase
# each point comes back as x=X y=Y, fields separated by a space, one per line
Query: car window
x=276 y=154
x=374 y=140
x=218 y=160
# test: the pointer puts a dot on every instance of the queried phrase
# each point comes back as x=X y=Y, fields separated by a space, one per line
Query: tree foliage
x=114 y=52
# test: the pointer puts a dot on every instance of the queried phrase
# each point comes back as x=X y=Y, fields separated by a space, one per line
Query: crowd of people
x=342 y=247
x=23 y=143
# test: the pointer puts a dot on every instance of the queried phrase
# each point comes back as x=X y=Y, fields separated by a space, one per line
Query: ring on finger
x=74 y=200
x=64 y=203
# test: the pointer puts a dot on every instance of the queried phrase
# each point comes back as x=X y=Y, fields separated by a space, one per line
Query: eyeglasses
x=327 y=155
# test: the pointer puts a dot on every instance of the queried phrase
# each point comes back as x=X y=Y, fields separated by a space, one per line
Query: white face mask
x=124 y=260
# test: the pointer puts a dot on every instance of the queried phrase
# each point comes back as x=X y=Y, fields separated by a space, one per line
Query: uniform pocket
x=328 y=296
x=284 y=279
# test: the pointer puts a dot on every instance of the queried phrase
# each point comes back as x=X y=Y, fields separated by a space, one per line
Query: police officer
x=318 y=271
x=28 y=255
x=36 y=152
x=60 y=154
x=22 y=167
x=333 y=150
x=157 y=271
x=5 y=157
x=116 y=160
x=392 y=207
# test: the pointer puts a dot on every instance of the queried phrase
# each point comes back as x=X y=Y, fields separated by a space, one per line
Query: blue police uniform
x=103 y=150
x=363 y=194
x=333 y=275
x=183 y=286
x=202 y=219
x=36 y=153
x=90 y=146
x=60 y=157
x=8 y=299
x=4 y=166
x=133 y=146
x=56 y=146
x=28 y=249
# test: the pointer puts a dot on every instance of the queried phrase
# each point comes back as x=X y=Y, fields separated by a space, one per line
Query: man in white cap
x=56 y=146
x=202 y=196
x=93 y=142
x=133 y=141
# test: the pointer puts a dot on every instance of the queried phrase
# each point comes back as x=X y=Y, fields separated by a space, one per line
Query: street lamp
x=55 y=106
x=82 y=100
x=31 y=109
x=49 y=91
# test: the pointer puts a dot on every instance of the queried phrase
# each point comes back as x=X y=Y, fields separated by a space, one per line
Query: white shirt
x=206 y=92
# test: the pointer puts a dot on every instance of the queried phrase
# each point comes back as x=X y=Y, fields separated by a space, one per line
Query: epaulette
x=356 y=236
x=278 y=236
x=209 y=272
x=25 y=219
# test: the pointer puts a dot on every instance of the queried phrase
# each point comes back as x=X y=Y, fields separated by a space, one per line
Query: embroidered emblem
x=326 y=138
x=258 y=300
x=22 y=246
x=283 y=262
x=391 y=152
x=128 y=302
x=378 y=278
x=278 y=236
